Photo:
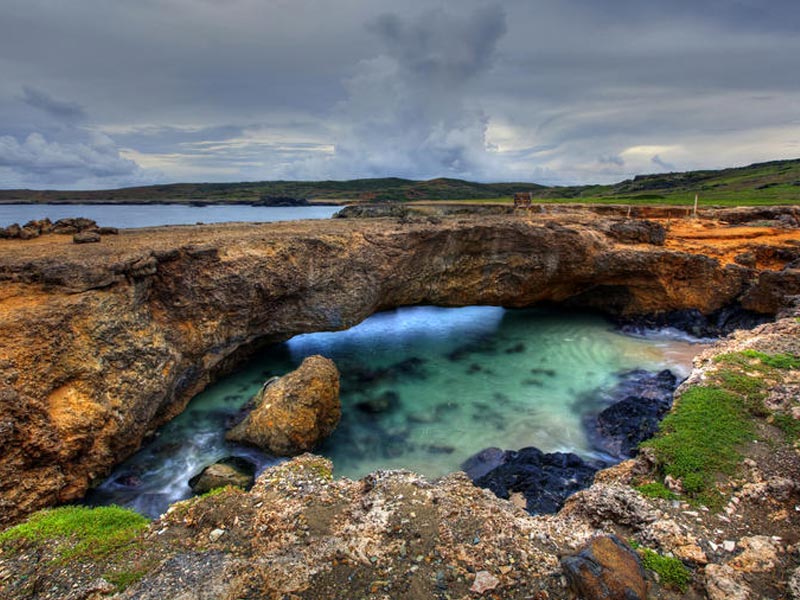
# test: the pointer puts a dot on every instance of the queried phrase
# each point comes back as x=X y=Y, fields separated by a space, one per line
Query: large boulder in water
x=295 y=413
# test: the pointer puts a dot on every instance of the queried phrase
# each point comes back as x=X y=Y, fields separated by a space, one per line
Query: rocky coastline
x=102 y=343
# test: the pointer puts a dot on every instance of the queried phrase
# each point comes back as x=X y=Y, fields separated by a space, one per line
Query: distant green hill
x=776 y=182
x=387 y=189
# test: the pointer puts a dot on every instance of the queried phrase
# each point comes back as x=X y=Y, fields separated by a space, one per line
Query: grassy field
x=772 y=183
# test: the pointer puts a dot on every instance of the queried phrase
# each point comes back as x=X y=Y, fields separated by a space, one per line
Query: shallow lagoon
x=422 y=388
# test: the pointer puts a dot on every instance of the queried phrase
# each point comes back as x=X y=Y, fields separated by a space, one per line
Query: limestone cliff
x=101 y=344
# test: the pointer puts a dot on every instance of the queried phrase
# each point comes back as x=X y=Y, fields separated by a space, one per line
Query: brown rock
x=11 y=232
x=606 y=569
x=296 y=412
x=639 y=232
x=28 y=233
x=221 y=474
x=86 y=237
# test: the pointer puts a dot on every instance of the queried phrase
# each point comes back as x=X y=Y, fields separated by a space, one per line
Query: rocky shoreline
x=101 y=344
x=300 y=533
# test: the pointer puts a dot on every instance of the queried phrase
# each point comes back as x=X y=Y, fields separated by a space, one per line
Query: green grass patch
x=89 y=532
x=741 y=384
x=699 y=439
x=789 y=425
x=671 y=571
x=776 y=361
x=122 y=580
x=760 y=362
x=656 y=489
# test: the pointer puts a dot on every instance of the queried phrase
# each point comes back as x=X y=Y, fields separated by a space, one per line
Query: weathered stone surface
x=758 y=555
x=637 y=231
x=723 y=583
x=148 y=318
x=794 y=584
x=232 y=471
x=86 y=237
x=606 y=569
x=295 y=413
x=668 y=536
x=614 y=503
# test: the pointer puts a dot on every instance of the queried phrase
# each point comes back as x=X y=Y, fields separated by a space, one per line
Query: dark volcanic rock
x=10 y=232
x=623 y=426
x=645 y=398
x=717 y=324
x=606 y=569
x=546 y=480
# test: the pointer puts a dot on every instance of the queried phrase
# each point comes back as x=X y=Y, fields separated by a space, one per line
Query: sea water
x=422 y=388
x=150 y=215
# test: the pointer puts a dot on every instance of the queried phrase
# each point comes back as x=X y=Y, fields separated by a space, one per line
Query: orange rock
x=296 y=412
x=606 y=569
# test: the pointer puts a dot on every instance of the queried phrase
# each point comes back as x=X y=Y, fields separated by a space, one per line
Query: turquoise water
x=422 y=388
x=137 y=215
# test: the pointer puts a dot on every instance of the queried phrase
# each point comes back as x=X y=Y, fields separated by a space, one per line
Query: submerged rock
x=623 y=426
x=233 y=471
x=606 y=569
x=646 y=398
x=480 y=464
x=546 y=480
x=385 y=402
x=296 y=412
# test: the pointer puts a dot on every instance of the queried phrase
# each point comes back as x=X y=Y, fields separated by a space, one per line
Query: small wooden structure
x=522 y=199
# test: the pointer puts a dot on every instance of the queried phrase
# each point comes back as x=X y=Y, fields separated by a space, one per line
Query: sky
x=108 y=93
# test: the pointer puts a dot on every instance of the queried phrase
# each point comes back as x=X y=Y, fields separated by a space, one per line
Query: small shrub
x=789 y=425
x=671 y=571
x=776 y=361
x=656 y=490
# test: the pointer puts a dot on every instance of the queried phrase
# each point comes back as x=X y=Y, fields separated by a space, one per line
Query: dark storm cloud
x=553 y=90
x=407 y=111
x=69 y=111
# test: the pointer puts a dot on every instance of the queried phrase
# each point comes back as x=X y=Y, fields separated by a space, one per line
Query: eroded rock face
x=102 y=343
x=295 y=413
